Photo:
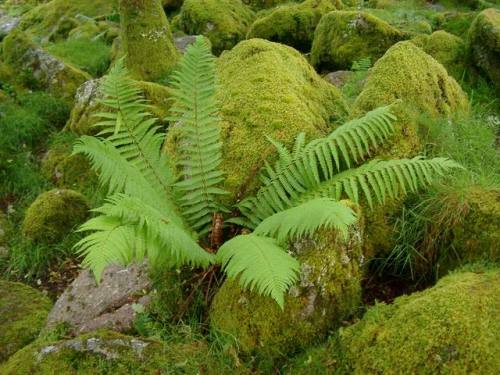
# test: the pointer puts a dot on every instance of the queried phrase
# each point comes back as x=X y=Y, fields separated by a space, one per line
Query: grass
x=92 y=56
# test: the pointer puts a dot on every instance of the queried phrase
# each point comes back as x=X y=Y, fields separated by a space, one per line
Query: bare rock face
x=86 y=306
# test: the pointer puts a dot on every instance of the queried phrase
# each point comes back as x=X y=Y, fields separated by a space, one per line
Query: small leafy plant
x=174 y=217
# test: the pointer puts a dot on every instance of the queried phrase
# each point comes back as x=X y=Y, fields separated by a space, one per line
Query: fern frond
x=200 y=148
x=260 y=264
x=382 y=179
x=130 y=129
x=144 y=231
x=303 y=169
x=305 y=219
x=362 y=65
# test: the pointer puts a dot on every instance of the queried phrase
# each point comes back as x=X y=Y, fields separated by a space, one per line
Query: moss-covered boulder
x=87 y=104
x=293 y=24
x=224 y=22
x=343 y=37
x=23 y=311
x=38 y=69
x=268 y=89
x=452 y=328
x=53 y=215
x=484 y=44
x=53 y=20
x=329 y=291
x=107 y=352
x=146 y=39
x=447 y=49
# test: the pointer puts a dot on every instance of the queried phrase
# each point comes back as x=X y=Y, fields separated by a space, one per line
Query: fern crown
x=166 y=214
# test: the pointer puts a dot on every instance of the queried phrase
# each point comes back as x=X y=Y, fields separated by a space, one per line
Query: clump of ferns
x=152 y=212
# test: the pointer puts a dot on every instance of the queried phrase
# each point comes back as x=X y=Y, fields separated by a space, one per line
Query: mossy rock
x=484 y=44
x=53 y=215
x=328 y=292
x=87 y=104
x=55 y=19
x=267 y=89
x=38 y=69
x=107 y=352
x=451 y=328
x=477 y=233
x=447 y=49
x=293 y=24
x=146 y=39
x=343 y=37
x=224 y=22
x=23 y=311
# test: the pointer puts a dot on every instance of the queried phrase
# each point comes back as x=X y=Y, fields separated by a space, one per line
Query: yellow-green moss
x=344 y=37
x=53 y=215
x=329 y=291
x=484 y=44
x=452 y=328
x=146 y=39
x=447 y=49
x=55 y=19
x=106 y=352
x=224 y=22
x=268 y=89
x=293 y=24
x=23 y=311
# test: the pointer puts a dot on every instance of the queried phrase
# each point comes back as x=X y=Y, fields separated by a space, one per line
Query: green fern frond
x=129 y=128
x=200 y=148
x=362 y=65
x=382 y=179
x=145 y=231
x=260 y=264
x=305 y=219
x=307 y=165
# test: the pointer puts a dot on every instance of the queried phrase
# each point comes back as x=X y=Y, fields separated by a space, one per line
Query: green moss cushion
x=452 y=328
x=23 y=311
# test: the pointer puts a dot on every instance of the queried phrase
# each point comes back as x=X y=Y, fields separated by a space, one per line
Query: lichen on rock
x=343 y=37
x=53 y=215
x=23 y=311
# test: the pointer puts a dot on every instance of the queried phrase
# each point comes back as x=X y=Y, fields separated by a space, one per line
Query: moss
x=23 y=311
x=484 y=44
x=50 y=109
x=92 y=56
x=53 y=215
x=55 y=19
x=224 y=22
x=267 y=89
x=344 y=37
x=106 y=352
x=146 y=39
x=452 y=328
x=266 y=4
x=447 y=49
x=423 y=86
x=328 y=291
x=477 y=234
x=293 y=24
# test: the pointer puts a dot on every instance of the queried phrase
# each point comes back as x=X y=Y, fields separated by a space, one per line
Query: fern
x=195 y=109
x=362 y=65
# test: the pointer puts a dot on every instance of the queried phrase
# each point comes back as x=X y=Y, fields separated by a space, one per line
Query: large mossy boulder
x=343 y=37
x=146 y=39
x=23 y=311
x=224 y=22
x=269 y=90
x=53 y=215
x=38 y=69
x=107 y=352
x=447 y=49
x=53 y=20
x=328 y=292
x=484 y=44
x=451 y=328
x=293 y=24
